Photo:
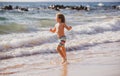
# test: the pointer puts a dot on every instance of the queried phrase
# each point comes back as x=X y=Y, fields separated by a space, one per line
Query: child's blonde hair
x=61 y=16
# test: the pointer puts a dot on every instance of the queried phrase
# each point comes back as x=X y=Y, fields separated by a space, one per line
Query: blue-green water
x=36 y=18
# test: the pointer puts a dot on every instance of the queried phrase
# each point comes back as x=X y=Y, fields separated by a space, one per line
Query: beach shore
x=93 y=62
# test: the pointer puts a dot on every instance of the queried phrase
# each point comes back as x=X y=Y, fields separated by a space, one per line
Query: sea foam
x=44 y=42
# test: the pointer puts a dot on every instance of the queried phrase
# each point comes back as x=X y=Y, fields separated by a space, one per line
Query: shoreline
x=83 y=63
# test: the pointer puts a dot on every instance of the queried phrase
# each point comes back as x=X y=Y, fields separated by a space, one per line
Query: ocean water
x=39 y=16
x=26 y=34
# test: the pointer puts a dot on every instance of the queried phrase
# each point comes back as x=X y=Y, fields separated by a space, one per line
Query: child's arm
x=53 y=30
x=67 y=27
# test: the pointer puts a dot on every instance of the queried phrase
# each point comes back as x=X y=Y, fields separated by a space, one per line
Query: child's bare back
x=59 y=29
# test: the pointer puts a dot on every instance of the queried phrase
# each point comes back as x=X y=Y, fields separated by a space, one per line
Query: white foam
x=81 y=37
x=24 y=40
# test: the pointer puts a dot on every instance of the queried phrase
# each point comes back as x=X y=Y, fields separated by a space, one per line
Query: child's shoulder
x=57 y=24
x=61 y=24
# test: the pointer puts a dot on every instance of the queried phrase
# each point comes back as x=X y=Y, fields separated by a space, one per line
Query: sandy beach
x=93 y=62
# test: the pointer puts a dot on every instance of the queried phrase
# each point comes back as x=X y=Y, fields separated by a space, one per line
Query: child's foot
x=64 y=61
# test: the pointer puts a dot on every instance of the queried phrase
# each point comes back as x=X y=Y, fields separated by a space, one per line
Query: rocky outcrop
x=10 y=7
x=58 y=7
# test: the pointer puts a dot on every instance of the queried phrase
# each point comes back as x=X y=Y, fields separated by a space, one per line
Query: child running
x=59 y=30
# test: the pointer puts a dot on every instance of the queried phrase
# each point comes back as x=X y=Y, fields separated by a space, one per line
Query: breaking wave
x=43 y=42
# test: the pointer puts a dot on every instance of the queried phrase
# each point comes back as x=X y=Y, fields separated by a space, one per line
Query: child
x=59 y=29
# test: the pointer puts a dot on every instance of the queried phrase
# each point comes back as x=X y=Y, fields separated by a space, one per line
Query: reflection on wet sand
x=4 y=72
x=64 y=70
x=7 y=73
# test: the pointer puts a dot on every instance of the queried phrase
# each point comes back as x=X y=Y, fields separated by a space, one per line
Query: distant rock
x=58 y=7
x=9 y=7
x=116 y=7
x=23 y=9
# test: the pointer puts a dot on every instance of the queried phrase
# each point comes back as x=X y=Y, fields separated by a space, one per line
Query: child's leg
x=59 y=50
x=64 y=51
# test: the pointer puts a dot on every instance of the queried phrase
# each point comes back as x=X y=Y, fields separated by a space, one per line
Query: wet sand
x=92 y=62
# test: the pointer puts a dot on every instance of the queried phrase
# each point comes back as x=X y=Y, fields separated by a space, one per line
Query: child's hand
x=70 y=27
x=50 y=30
